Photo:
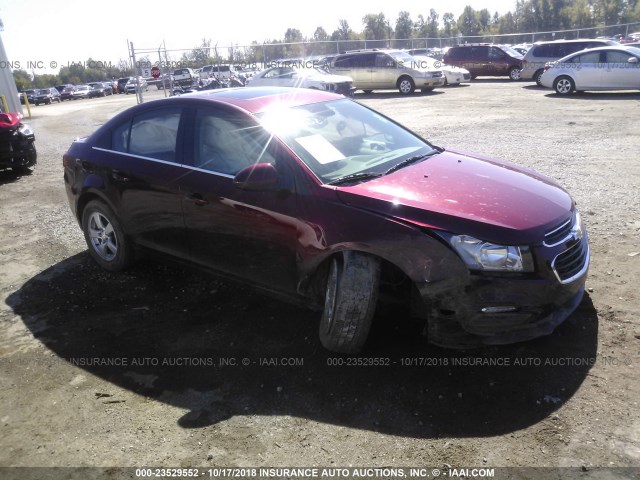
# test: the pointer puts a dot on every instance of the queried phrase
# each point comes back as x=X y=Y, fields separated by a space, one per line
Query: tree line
x=528 y=16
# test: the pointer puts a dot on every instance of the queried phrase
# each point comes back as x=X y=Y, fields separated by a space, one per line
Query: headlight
x=481 y=255
x=25 y=129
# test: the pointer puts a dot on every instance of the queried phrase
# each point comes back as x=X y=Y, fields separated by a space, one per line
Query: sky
x=51 y=34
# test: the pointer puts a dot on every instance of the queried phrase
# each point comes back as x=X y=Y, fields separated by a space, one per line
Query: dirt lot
x=570 y=399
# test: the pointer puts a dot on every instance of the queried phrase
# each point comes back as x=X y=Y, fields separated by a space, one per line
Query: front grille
x=560 y=233
x=572 y=263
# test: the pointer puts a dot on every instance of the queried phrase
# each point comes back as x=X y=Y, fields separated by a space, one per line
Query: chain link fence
x=257 y=56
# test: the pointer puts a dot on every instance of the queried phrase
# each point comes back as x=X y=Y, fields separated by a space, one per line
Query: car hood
x=467 y=194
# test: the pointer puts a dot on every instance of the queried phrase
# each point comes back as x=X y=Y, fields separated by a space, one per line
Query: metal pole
x=138 y=73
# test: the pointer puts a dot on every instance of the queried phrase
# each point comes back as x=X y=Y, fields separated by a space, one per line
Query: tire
x=22 y=170
x=538 y=77
x=406 y=86
x=514 y=74
x=564 y=85
x=107 y=242
x=350 y=302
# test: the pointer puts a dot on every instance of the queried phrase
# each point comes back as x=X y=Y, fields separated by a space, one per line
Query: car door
x=139 y=159
x=619 y=72
x=589 y=70
x=384 y=71
x=246 y=234
x=498 y=63
x=477 y=60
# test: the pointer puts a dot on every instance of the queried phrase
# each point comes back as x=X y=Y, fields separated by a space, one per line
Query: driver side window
x=226 y=142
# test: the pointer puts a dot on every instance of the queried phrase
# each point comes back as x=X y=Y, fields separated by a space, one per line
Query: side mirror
x=633 y=60
x=256 y=178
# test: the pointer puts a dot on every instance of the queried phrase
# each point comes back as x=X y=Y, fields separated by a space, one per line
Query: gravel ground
x=182 y=396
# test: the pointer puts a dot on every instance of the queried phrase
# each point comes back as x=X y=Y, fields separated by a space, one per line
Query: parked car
x=452 y=75
x=542 y=53
x=486 y=60
x=184 y=77
x=80 y=92
x=17 y=144
x=47 y=96
x=217 y=71
x=135 y=83
x=384 y=70
x=31 y=95
x=97 y=90
x=303 y=78
x=122 y=82
x=315 y=197
x=603 y=68
x=109 y=87
x=60 y=88
x=67 y=93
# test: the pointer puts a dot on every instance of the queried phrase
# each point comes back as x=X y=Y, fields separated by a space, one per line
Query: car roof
x=258 y=99
x=610 y=47
x=575 y=40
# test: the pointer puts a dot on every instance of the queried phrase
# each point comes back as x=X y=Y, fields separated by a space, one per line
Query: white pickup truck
x=184 y=76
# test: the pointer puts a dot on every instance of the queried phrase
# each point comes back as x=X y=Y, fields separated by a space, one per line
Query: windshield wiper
x=411 y=160
x=354 y=177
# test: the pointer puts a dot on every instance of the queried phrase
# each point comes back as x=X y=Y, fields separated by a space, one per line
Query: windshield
x=512 y=52
x=402 y=57
x=339 y=138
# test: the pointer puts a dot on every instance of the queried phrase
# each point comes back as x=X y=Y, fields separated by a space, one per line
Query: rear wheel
x=406 y=85
x=564 y=85
x=514 y=73
x=107 y=242
x=350 y=301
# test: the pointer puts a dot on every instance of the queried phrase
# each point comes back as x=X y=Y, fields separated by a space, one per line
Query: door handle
x=198 y=199
x=119 y=176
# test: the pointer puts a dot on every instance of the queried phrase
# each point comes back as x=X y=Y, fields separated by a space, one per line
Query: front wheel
x=564 y=85
x=514 y=73
x=350 y=301
x=538 y=77
x=22 y=170
x=406 y=85
x=105 y=238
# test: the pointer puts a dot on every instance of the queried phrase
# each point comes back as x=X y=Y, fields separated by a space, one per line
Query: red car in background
x=317 y=198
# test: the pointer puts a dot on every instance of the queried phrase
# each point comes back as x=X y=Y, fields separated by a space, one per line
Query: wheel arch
x=313 y=284
x=87 y=196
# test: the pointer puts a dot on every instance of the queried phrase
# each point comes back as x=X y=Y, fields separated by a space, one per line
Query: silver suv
x=543 y=52
x=386 y=69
